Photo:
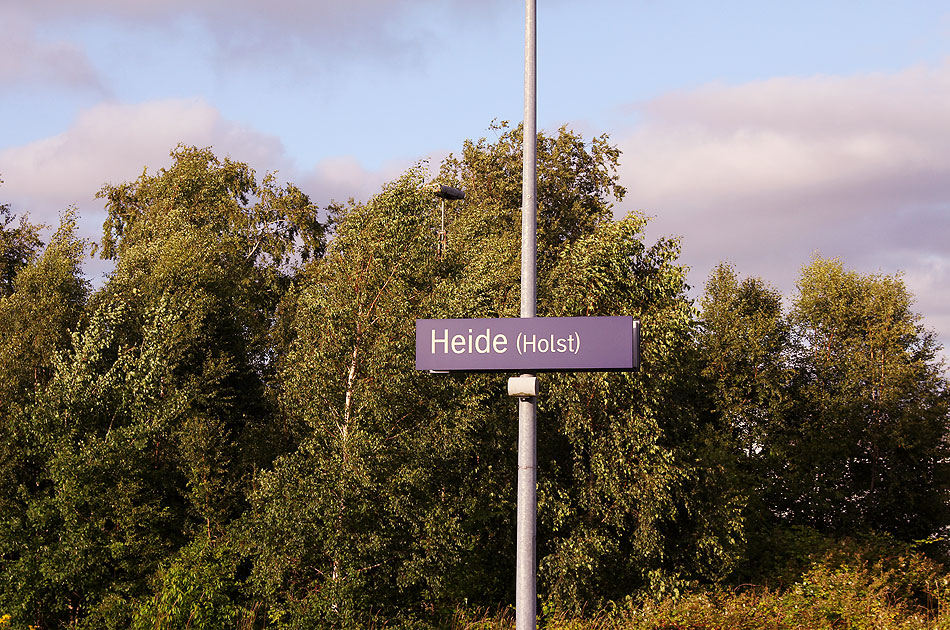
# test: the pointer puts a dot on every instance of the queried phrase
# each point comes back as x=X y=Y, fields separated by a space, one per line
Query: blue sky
x=760 y=132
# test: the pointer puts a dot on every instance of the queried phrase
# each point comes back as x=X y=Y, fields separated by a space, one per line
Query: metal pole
x=442 y=235
x=526 y=587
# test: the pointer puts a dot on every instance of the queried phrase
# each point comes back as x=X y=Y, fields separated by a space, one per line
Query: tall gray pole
x=526 y=587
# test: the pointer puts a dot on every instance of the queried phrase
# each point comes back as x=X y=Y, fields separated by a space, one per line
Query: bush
x=197 y=590
x=872 y=584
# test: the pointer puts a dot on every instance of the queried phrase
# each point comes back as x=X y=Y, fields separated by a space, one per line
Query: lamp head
x=447 y=192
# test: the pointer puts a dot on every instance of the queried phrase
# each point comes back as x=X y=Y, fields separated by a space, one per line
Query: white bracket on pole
x=523 y=386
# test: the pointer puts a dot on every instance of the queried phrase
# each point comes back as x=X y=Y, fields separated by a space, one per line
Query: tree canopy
x=230 y=432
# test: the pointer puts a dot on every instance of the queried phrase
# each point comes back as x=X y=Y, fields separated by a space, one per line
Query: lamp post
x=444 y=192
x=526 y=587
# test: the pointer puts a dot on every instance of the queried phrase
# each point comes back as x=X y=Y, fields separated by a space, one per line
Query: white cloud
x=390 y=30
x=786 y=138
x=296 y=15
x=768 y=173
x=26 y=58
x=112 y=143
x=339 y=179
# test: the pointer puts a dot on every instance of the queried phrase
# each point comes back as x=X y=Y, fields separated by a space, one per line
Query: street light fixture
x=444 y=192
x=447 y=192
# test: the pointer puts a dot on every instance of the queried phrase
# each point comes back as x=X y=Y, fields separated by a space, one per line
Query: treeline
x=229 y=431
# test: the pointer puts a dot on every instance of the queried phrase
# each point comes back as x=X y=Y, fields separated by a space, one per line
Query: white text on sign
x=471 y=343
x=529 y=344
x=487 y=343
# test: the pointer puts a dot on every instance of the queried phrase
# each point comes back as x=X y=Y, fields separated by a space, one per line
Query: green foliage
x=629 y=508
x=197 y=589
x=746 y=340
x=866 y=439
x=875 y=584
x=368 y=491
x=18 y=247
x=44 y=305
x=577 y=180
x=156 y=412
x=838 y=407
x=230 y=431
x=373 y=430
x=340 y=380
x=36 y=321
x=204 y=192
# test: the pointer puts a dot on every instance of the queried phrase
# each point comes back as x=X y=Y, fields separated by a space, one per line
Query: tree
x=208 y=268
x=344 y=501
x=157 y=411
x=577 y=184
x=18 y=246
x=839 y=408
x=867 y=440
x=203 y=191
x=745 y=340
x=745 y=343
x=38 y=319
x=231 y=427
x=638 y=492
x=44 y=305
x=402 y=490
x=406 y=480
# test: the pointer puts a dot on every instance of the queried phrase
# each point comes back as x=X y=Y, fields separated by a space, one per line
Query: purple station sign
x=536 y=344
